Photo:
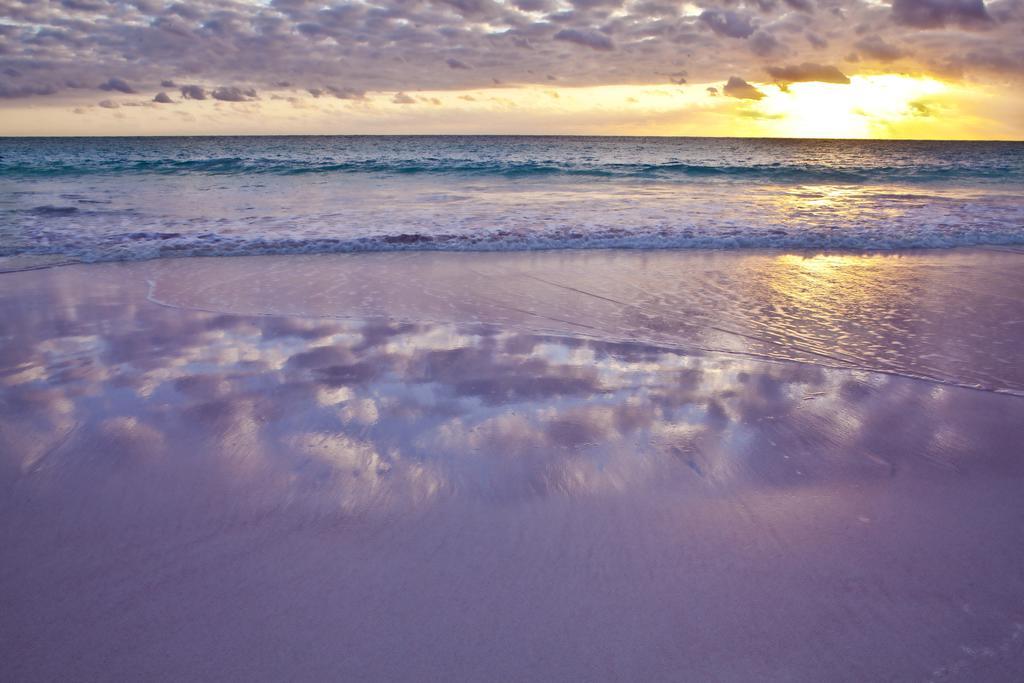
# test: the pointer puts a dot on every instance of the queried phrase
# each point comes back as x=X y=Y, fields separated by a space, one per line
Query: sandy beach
x=614 y=465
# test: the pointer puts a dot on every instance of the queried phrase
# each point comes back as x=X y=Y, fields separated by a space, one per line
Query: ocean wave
x=783 y=172
x=155 y=244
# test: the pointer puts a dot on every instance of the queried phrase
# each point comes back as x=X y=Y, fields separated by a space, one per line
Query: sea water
x=103 y=199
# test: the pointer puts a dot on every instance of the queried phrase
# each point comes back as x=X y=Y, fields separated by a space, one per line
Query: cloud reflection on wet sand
x=315 y=452
x=953 y=315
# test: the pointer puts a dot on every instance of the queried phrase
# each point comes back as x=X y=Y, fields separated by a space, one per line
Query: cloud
x=764 y=44
x=816 y=41
x=991 y=58
x=801 y=5
x=108 y=104
x=807 y=72
x=473 y=8
x=82 y=5
x=340 y=93
x=593 y=39
x=876 y=48
x=193 y=92
x=919 y=108
x=534 y=5
x=117 y=85
x=74 y=48
x=928 y=14
x=346 y=93
x=727 y=23
x=402 y=98
x=163 y=98
x=8 y=90
x=740 y=89
x=234 y=94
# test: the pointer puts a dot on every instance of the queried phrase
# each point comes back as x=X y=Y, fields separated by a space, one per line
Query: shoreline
x=26 y=262
x=836 y=306
x=969 y=257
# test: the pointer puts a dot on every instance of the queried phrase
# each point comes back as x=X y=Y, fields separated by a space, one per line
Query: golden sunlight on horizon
x=885 y=106
x=869 y=107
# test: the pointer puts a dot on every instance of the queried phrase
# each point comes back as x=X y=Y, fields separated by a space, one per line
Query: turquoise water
x=101 y=199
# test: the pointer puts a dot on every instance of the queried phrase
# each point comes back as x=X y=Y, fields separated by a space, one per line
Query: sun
x=868 y=107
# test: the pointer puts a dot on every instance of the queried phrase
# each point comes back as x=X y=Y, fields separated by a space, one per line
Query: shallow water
x=952 y=316
x=141 y=198
x=419 y=489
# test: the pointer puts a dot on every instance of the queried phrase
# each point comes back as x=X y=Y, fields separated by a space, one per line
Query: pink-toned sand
x=562 y=466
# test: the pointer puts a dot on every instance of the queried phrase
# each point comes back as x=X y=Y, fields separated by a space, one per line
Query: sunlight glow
x=868 y=107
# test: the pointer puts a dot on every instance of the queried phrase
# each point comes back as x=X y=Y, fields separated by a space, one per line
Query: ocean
x=670 y=462
x=109 y=199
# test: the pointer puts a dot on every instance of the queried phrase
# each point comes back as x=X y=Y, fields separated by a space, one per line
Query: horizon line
x=505 y=135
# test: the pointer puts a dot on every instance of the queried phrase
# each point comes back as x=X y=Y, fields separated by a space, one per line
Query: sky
x=937 y=69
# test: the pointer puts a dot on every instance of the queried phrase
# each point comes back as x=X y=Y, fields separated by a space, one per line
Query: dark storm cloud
x=78 y=46
x=807 y=72
x=740 y=89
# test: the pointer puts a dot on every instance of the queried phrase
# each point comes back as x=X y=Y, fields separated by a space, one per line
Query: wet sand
x=571 y=466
